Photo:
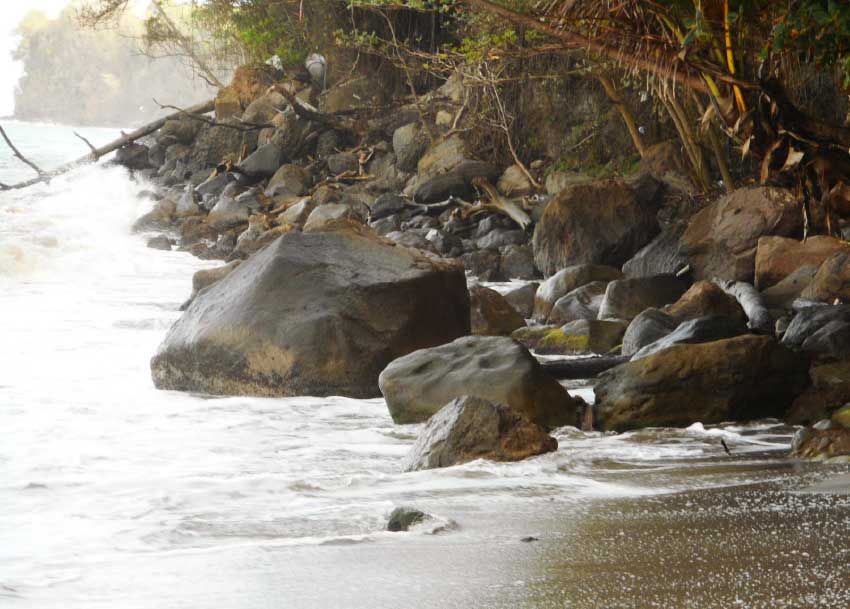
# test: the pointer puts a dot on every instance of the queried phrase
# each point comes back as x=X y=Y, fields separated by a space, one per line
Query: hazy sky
x=11 y=13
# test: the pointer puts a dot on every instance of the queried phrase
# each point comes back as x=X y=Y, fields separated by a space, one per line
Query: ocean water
x=114 y=494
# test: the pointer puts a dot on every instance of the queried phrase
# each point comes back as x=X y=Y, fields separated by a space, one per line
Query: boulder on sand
x=565 y=281
x=470 y=428
x=493 y=368
x=604 y=222
x=627 y=298
x=491 y=314
x=738 y=379
x=313 y=314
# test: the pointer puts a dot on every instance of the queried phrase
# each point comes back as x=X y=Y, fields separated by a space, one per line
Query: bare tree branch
x=89 y=144
x=18 y=154
x=244 y=126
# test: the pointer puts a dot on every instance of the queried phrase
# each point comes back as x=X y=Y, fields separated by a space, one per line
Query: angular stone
x=627 y=298
x=779 y=257
x=695 y=331
x=646 y=328
x=493 y=368
x=704 y=299
x=581 y=303
x=492 y=315
x=582 y=337
x=470 y=428
x=565 y=281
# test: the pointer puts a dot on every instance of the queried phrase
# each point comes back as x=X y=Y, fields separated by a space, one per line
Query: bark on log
x=112 y=146
x=584 y=368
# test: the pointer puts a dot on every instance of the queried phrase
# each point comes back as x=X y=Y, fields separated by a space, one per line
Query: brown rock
x=705 y=298
x=470 y=428
x=492 y=315
x=779 y=257
x=829 y=391
x=250 y=81
x=737 y=379
x=721 y=240
x=832 y=280
x=603 y=222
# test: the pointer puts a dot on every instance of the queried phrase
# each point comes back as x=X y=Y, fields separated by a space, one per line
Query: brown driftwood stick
x=97 y=153
x=502 y=204
x=311 y=115
x=582 y=368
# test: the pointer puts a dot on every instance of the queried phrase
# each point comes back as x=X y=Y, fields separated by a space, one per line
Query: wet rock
x=482 y=264
x=810 y=320
x=704 y=299
x=207 y=277
x=409 y=144
x=263 y=162
x=133 y=156
x=256 y=238
x=183 y=130
x=738 y=379
x=784 y=293
x=187 y=204
x=441 y=157
x=603 y=222
x=842 y=416
x=695 y=331
x=290 y=178
x=581 y=303
x=229 y=212
x=627 y=298
x=500 y=238
x=530 y=336
x=492 y=368
x=659 y=257
x=832 y=280
x=402 y=518
x=387 y=205
x=831 y=341
x=444 y=244
x=412 y=239
x=313 y=314
x=721 y=239
x=342 y=161
x=298 y=213
x=327 y=217
x=387 y=225
x=194 y=230
x=159 y=218
x=565 y=281
x=582 y=337
x=829 y=391
x=457 y=182
x=470 y=428
x=213 y=185
x=160 y=242
x=648 y=327
x=492 y=315
x=518 y=262
x=779 y=257
x=521 y=298
x=216 y=144
x=822 y=444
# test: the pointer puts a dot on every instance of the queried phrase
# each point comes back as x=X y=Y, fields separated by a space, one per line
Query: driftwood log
x=583 y=368
x=750 y=299
x=96 y=153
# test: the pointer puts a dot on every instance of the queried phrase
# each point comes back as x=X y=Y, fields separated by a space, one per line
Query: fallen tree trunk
x=751 y=301
x=584 y=368
x=97 y=153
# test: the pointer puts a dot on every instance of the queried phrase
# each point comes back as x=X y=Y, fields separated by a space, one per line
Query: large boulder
x=721 y=239
x=779 y=257
x=521 y=298
x=313 y=314
x=743 y=378
x=783 y=294
x=290 y=179
x=492 y=315
x=626 y=298
x=493 y=368
x=597 y=223
x=695 y=331
x=216 y=144
x=409 y=144
x=832 y=280
x=565 y=281
x=470 y=428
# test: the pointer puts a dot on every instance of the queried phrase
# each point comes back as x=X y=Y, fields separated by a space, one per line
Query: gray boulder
x=493 y=368
x=647 y=328
x=313 y=314
x=695 y=331
x=298 y=213
x=342 y=162
x=289 y=178
x=500 y=238
x=810 y=320
x=521 y=298
x=470 y=428
x=263 y=162
x=518 y=262
x=660 y=256
x=387 y=205
x=333 y=215
x=492 y=315
x=409 y=144
x=581 y=303
x=627 y=298
x=832 y=341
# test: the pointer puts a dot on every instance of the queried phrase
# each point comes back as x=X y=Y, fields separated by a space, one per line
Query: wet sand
x=764 y=545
